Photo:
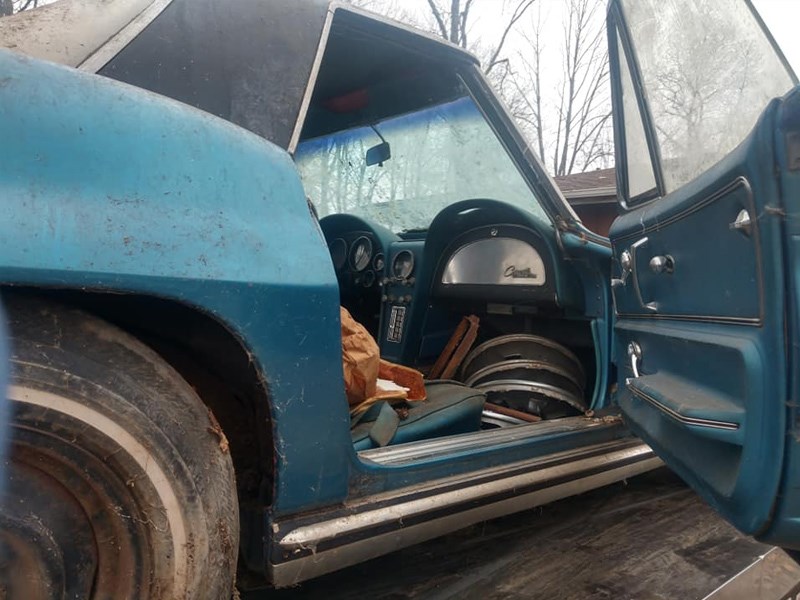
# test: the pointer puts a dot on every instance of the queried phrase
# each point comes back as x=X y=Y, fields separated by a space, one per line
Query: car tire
x=119 y=483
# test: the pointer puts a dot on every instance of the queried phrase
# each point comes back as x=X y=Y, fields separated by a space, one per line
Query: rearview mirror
x=379 y=154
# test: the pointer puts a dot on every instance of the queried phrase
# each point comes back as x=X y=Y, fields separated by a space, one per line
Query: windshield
x=439 y=155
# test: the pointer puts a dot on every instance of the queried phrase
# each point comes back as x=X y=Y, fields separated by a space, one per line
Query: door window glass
x=708 y=71
x=641 y=179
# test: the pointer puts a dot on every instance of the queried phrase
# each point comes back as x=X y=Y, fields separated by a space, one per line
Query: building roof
x=591 y=187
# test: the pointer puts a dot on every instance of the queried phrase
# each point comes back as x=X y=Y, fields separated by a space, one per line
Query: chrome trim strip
x=415 y=451
x=712 y=197
x=772 y=576
x=318 y=562
x=536 y=472
x=727 y=425
x=756 y=321
x=312 y=81
x=103 y=55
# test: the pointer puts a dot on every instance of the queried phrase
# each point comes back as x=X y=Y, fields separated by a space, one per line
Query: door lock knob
x=662 y=264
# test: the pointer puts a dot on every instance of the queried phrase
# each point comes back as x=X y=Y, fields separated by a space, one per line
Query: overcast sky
x=782 y=17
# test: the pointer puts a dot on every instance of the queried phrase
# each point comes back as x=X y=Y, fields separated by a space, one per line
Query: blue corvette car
x=191 y=190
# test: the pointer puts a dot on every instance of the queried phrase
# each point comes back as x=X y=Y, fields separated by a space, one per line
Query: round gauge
x=338 y=250
x=378 y=263
x=360 y=254
x=368 y=279
x=403 y=264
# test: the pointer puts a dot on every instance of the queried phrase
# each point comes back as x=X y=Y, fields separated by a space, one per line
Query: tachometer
x=403 y=264
x=338 y=250
x=360 y=254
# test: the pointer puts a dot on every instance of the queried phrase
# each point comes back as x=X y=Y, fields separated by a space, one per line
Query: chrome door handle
x=635 y=356
x=651 y=306
x=625 y=263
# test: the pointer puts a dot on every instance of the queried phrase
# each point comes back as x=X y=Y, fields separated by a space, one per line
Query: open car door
x=707 y=251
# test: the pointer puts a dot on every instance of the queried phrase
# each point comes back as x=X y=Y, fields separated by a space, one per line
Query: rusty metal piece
x=457 y=347
x=510 y=412
x=543 y=400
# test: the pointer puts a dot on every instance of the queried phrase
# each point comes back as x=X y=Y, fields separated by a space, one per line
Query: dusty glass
x=439 y=155
x=708 y=72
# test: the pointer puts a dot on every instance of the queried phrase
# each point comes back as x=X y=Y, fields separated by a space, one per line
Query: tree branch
x=521 y=9
x=439 y=20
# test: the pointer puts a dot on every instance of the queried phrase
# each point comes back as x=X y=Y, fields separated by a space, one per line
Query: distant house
x=593 y=195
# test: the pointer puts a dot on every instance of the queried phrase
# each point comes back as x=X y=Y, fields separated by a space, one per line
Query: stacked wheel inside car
x=526 y=373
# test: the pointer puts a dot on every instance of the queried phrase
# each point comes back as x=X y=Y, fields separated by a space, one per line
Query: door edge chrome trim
x=116 y=43
x=695 y=421
x=314 y=562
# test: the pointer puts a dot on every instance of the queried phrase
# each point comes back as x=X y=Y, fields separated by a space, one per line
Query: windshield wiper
x=415 y=230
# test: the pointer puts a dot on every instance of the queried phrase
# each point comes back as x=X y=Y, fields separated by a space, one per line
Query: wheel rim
x=70 y=522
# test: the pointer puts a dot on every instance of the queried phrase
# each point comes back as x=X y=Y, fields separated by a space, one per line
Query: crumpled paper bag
x=363 y=367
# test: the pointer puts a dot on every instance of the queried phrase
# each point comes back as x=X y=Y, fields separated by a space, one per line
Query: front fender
x=109 y=187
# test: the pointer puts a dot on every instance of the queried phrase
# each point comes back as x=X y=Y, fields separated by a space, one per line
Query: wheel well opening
x=219 y=368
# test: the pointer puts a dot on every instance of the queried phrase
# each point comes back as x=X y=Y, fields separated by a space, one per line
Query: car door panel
x=706 y=215
x=702 y=349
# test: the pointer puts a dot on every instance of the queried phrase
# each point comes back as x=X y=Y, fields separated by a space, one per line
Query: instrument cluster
x=357 y=257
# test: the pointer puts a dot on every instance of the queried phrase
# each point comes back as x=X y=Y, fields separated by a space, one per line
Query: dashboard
x=475 y=252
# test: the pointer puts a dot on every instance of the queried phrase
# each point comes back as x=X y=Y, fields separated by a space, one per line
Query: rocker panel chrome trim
x=311 y=535
x=633 y=460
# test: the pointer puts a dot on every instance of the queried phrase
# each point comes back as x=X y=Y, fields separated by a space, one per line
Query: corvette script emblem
x=515 y=273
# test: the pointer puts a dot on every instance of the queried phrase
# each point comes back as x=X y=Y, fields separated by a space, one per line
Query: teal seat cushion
x=450 y=408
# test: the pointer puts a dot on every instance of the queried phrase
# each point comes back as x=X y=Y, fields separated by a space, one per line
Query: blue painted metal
x=592 y=263
x=715 y=349
x=108 y=187
x=785 y=527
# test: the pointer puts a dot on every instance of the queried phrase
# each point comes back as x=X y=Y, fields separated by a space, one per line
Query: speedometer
x=360 y=254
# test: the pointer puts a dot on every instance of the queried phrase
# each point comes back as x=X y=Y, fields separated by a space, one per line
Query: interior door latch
x=625 y=262
x=635 y=356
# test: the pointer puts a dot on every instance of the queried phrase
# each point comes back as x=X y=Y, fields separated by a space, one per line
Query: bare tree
x=583 y=109
x=452 y=20
x=9 y=7
x=564 y=107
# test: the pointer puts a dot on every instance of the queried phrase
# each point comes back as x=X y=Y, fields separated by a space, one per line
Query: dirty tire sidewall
x=107 y=422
